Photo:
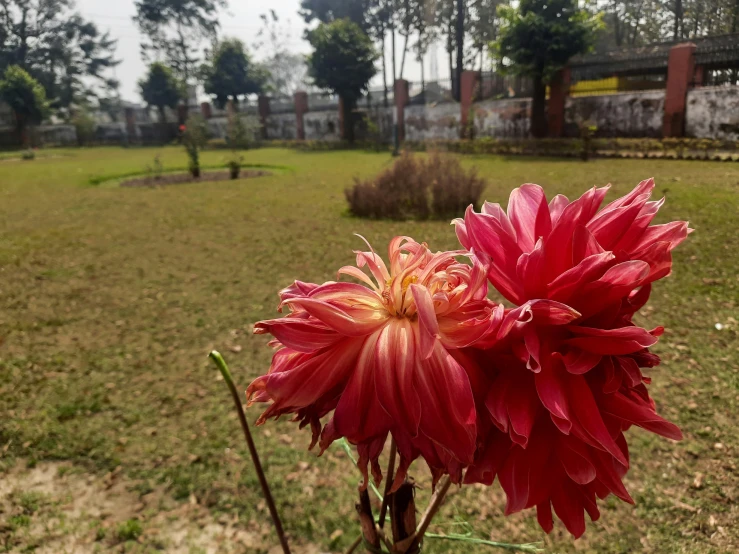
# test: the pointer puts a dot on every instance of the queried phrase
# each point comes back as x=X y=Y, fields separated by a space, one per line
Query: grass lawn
x=115 y=429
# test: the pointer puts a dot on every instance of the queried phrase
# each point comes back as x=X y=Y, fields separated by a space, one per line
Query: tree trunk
x=735 y=20
x=347 y=113
x=162 y=114
x=384 y=72
x=402 y=58
x=460 y=45
x=678 y=18
x=392 y=45
x=449 y=50
x=423 y=77
x=539 y=127
x=22 y=129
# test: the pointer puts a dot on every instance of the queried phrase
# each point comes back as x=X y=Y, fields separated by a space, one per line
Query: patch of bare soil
x=186 y=178
x=53 y=508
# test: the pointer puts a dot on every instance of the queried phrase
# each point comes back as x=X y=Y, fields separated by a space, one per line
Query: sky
x=240 y=20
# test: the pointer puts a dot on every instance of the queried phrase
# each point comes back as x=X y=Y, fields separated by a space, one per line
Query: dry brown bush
x=417 y=188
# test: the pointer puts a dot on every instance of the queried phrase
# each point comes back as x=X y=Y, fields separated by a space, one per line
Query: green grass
x=111 y=299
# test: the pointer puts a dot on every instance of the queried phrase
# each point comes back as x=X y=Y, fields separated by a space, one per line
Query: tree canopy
x=343 y=61
x=25 y=96
x=160 y=89
x=68 y=55
x=231 y=73
x=174 y=30
x=538 y=38
x=327 y=11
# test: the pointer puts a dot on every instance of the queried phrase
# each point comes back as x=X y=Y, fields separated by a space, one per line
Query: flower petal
x=448 y=408
x=428 y=324
x=395 y=367
x=529 y=215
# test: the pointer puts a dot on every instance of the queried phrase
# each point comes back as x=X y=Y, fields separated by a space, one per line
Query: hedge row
x=672 y=148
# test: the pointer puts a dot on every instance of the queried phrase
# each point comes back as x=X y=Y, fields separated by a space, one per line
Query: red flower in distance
x=559 y=397
x=379 y=355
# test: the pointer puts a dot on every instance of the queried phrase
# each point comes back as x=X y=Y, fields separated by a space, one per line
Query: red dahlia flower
x=379 y=354
x=560 y=396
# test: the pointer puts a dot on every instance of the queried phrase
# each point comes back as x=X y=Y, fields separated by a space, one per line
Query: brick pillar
x=680 y=68
x=131 y=129
x=182 y=113
x=301 y=108
x=206 y=110
x=467 y=92
x=264 y=114
x=342 y=126
x=699 y=76
x=402 y=96
x=559 y=90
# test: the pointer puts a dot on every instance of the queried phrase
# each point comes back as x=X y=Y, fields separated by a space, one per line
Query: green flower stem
x=390 y=475
x=348 y=449
x=529 y=547
x=221 y=364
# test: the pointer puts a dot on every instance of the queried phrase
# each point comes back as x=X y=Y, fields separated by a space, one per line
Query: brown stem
x=353 y=546
x=388 y=482
x=403 y=518
x=220 y=362
x=436 y=501
x=367 y=520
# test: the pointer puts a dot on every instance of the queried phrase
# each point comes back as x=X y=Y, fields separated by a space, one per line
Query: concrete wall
x=432 y=121
x=323 y=125
x=713 y=112
x=502 y=118
x=282 y=126
x=626 y=114
x=382 y=123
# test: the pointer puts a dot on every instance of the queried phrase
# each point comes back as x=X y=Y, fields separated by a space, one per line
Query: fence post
x=301 y=107
x=130 y=117
x=559 y=90
x=680 y=68
x=402 y=95
x=699 y=76
x=467 y=90
x=263 y=114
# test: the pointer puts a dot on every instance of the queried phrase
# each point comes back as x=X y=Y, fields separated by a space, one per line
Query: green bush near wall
x=669 y=148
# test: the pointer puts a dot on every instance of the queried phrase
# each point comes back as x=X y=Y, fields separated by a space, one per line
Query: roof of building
x=716 y=52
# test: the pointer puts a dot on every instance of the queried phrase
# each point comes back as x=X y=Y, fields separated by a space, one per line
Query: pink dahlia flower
x=560 y=397
x=379 y=354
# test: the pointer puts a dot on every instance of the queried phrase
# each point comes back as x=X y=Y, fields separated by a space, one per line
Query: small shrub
x=85 y=127
x=243 y=131
x=234 y=166
x=195 y=138
x=452 y=187
x=28 y=155
x=415 y=188
x=129 y=530
x=156 y=169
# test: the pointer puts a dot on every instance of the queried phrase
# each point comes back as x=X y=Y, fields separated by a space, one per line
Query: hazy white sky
x=240 y=19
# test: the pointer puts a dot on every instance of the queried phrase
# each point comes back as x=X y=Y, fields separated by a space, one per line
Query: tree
x=483 y=25
x=343 y=61
x=175 y=29
x=461 y=13
x=68 y=55
x=446 y=24
x=327 y=11
x=288 y=71
x=26 y=97
x=231 y=74
x=379 y=21
x=537 y=39
x=160 y=89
